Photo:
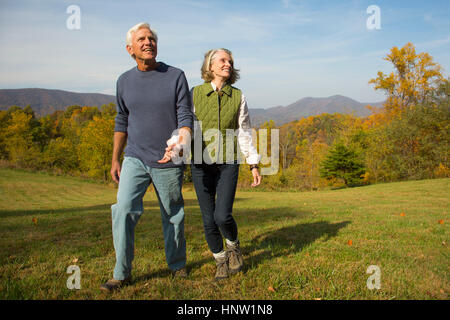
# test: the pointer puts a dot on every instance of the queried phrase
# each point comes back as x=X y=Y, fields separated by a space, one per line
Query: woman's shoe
x=222 y=268
x=235 y=260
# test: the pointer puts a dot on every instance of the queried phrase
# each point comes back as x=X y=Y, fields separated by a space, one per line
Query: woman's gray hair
x=135 y=28
x=209 y=57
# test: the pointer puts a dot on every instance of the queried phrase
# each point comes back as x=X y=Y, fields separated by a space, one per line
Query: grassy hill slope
x=309 y=245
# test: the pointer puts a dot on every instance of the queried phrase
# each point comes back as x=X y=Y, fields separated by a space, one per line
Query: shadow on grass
x=153 y=204
x=288 y=240
x=265 y=246
x=280 y=242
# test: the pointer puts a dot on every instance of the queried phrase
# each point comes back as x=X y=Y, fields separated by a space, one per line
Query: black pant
x=209 y=181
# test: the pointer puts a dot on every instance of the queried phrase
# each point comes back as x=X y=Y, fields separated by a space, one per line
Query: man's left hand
x=168 y=155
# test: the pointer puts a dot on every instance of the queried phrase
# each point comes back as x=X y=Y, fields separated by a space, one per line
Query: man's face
x=143 y=45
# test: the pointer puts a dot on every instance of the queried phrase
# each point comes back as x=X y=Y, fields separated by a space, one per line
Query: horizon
x=250 y=107
x=285 y=49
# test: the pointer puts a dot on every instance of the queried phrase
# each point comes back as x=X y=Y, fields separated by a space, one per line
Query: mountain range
x=310 y=107
x=45 y=101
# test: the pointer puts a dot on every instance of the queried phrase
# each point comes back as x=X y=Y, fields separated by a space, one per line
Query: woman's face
x=221 y=65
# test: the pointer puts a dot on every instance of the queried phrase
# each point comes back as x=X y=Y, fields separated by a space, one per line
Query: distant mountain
x=310 y=107
x=45 y=101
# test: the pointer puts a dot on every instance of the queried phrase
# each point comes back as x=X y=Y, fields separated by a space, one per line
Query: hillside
x=45 y=101
x=296 y=245
x=310 y=107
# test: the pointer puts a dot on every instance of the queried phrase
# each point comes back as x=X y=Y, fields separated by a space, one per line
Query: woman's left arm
x=245 y=141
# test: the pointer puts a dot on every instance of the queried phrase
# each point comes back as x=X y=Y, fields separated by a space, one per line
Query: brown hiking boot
x=113 y=284
x=222 y=268
x=235 y=260
x=180 y=274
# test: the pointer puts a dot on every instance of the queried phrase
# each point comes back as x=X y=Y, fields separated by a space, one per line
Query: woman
x=217 y=107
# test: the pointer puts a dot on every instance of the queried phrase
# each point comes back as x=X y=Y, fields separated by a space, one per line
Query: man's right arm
x=120 y=138
x=120 y=132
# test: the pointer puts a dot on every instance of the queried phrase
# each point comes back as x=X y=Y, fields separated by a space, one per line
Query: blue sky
x=286 y=50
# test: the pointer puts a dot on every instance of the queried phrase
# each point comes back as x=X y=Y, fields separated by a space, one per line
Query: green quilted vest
x=217 y=110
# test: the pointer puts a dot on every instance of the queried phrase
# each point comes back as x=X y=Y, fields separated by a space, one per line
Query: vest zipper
x=218 y=124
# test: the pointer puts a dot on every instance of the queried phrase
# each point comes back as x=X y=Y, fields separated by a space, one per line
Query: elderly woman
x=221 y=129
x=219 y=107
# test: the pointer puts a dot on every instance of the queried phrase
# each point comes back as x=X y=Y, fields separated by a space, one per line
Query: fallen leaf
x=317 y=298
x=296 y=295
x=271 y=289
x=350 y=242
x=34 y=221
x=444 y=243
x=441 y=221
x=402 y=214
x=75 y=260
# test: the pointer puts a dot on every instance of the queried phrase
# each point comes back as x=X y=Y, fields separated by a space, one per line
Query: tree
x=108 y=110
x=287 y=144
x=61 y=154
x=95 y=148
x=18 y=140
x=412 y=82
x=342 y=163
x=413 y=146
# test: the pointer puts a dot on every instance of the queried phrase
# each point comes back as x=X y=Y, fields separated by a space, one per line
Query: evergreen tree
x=344 y=163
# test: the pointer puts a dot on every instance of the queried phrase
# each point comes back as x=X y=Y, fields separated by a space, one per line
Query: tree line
x=408 y=138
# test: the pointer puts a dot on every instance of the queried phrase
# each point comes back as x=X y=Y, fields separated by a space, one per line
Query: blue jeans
x=135 y=178
x=215 y=186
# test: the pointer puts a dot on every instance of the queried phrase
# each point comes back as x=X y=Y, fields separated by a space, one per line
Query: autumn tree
x=287 y=144
x=413 y=146
x=412 y=82
x=95 y=148
x=18 y=139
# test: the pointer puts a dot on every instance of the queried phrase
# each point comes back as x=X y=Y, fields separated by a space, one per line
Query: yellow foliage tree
x=18 y=139
x=412 y=82
x=95 y=148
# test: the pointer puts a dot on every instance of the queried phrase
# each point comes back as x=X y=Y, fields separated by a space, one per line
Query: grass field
x=308 y=245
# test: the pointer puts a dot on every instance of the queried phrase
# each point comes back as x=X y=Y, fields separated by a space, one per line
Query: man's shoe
x=180 y=274
x=236 y=260
x=113 y=284
x=222 y=268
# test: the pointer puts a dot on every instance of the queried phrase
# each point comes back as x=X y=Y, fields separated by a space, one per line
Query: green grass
x=296 y=243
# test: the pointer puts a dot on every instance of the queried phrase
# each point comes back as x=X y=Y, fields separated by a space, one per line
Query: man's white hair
x=135 y=28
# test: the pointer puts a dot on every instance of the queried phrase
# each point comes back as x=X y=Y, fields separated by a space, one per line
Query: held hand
x=256 y=177
x=115 y=171
x=168 y=154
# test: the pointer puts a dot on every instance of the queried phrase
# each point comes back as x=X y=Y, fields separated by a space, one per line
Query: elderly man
x=153 y=104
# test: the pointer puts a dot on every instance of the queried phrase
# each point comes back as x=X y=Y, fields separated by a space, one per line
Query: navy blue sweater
x=150 y=106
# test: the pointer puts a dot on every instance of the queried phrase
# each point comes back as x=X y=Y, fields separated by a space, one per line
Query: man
x=153 y=101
